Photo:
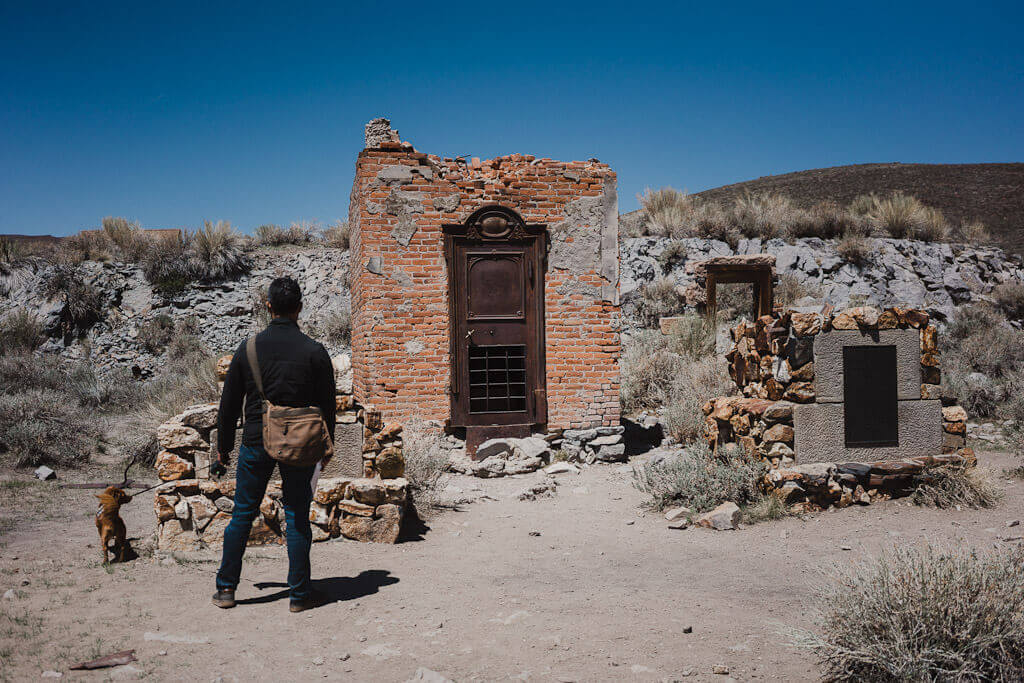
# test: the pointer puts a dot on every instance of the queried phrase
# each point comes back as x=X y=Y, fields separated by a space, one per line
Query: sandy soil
x=581 y=586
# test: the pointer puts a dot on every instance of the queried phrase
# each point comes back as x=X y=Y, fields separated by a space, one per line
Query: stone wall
x=789 y=368
x=400 y=200
x=361 y=494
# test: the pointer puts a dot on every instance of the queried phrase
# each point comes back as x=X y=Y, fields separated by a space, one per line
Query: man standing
x=296 y=372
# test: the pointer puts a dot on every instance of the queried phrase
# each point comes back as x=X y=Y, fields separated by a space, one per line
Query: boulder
x=203 y=416
x=174 y=435
x=171 y=466
x=954 y=414
x=367 y=491
x=778 y=432
x=725 y=516
x=390 y=463
x=494 y=447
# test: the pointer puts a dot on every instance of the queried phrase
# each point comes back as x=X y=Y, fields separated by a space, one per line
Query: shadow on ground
x=333 y=589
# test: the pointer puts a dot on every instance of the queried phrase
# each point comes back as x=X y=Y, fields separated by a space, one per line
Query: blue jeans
x=255 y=467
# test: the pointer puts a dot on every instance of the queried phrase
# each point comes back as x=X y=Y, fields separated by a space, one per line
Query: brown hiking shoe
x=312 y=602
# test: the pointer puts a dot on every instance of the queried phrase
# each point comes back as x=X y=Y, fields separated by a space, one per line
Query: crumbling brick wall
x=400 y=200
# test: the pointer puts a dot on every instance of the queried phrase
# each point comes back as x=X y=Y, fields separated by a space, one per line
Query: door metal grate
x=497 y=379
x=871 y=406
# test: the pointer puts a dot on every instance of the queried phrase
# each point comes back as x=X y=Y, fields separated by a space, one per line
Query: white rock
x=53 y=674
x=9 y=594
x=424 y=675
x=725 y=516
x=561 y=468
x=43 y=473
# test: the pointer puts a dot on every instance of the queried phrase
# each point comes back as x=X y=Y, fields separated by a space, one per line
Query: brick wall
x=401 y=198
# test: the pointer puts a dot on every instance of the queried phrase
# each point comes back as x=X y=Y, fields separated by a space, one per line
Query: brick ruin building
x=484 y=294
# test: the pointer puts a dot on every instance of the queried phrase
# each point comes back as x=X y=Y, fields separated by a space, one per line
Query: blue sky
x=171 y=113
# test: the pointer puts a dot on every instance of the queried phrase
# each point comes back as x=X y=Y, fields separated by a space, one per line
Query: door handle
x=469 y=335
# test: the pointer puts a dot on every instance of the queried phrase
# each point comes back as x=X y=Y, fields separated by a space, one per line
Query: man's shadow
x=334 y=589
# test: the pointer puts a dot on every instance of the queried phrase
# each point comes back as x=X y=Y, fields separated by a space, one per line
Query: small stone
x=9 y=594
x=318 y=661
x=680 y=523
x=44 y=473
x=52 y=674
x=687 y=629
x=845 y=547
x=676 y=513
x=954 y=414
x=720 y=669
x=1013 y=522
x=561 y=468
x=725 y=516
x=344 y=656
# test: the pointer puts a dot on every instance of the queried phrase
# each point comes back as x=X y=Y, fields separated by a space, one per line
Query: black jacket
x=297 y=372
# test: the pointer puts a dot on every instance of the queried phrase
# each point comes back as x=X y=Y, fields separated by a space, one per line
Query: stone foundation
x=192 y=513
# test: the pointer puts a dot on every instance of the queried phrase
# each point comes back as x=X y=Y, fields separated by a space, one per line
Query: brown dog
x=110 y=524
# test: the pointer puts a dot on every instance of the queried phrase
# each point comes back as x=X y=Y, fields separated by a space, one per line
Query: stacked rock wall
x=788 y=366
x=367 y=503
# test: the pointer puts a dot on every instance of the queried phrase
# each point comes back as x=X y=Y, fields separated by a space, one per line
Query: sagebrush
x=699 y=480
x=922 y=614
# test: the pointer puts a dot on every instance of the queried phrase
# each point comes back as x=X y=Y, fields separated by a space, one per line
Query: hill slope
x=991 y=193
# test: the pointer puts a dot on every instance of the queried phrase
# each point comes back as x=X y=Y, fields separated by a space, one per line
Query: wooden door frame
x=497 y=225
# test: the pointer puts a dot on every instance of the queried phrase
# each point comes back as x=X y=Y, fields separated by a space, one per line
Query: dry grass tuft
x=948 y=487
x=21 y=331
x=338 y=235
x=666 y=212
x=1009 y=298
x=855 y=249
x=218 y=252
x=426 y=461
x=659 y=299
x=922 y=615
x=697 y=479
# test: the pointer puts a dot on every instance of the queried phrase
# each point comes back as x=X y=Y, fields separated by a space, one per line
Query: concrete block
x=348 y=452
x=828 y=360
x=820 y=433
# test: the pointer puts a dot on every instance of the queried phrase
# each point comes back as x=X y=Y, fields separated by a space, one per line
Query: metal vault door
x=496 y=306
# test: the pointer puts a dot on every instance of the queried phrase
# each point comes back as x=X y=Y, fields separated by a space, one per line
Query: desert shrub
x=659 y=299
x=982 y=361
x=863 y=204
x=85 y=246
x=270 y=235
x=218 y=252
x=335 y=326
x=922 y=615
x=826 y=220
x=299 y=233
x=185 y=344
x=763 y=215
x=854 y=249
x=666 y=212
x=735 y=300
x=696 y=478
x=692 y=336
x=258 y=311
x=10 y=252
x=764 y=507
x=83 y=303
x=791 y=289
x=950 y=486
x=168 y=265
x=1009 y=297
x=933 y=226
x=426 y=460
x=41 y=427
x=693 y=383
x=710 y=221
x=974 y=232
x=898 y=214
x=646 y=371
x=338 y=235
x=156 y=333
x=127 y=238
x=672 y=255
x=21 y=331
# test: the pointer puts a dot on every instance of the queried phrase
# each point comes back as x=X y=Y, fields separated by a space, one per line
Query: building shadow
x=639 y=438
x=333 y=589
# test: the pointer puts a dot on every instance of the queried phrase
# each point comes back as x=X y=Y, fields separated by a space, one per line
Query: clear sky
x=169 y=113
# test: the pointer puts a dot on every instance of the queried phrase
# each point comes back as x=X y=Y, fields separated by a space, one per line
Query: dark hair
x=284 y=296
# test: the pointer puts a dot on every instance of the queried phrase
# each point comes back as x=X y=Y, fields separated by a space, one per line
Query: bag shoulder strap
x=254 y=365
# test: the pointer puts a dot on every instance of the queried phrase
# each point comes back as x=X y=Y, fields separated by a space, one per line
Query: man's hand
x=220 y=467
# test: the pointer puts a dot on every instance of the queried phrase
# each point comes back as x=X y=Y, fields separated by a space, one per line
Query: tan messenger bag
x=293 y=436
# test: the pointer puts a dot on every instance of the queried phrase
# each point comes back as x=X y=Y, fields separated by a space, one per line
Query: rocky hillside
x=933 y=276
x=222 y=314
x=991 y=193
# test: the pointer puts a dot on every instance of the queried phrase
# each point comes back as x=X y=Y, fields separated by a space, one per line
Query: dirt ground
x=581 y=586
